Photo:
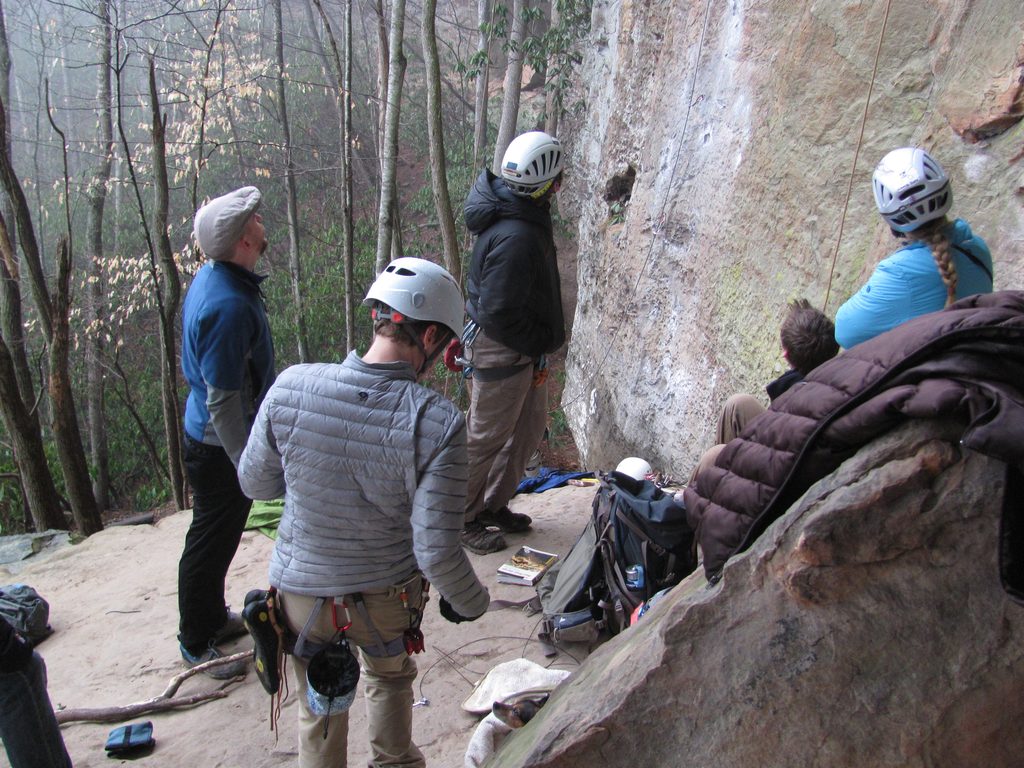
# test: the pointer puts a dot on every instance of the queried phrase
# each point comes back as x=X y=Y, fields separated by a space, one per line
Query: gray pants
x=386 y=681
x=737 y=412
x=505 y=425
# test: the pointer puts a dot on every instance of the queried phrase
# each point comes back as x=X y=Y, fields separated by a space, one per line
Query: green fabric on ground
x=265 y=517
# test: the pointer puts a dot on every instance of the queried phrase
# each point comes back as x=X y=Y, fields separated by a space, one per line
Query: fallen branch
x=162 y=703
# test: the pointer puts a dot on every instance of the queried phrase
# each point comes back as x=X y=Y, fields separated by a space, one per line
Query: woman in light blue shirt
x=942 y=262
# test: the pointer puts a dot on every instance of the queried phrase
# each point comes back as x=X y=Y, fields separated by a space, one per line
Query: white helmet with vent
x=911 y=189
x=531 y=163
x=417 y=289
x=634 y=467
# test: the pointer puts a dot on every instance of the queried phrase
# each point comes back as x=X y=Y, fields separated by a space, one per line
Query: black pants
x=219 y=512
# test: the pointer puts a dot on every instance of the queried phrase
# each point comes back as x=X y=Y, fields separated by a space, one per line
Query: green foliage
x=323 y=290
x=560 y=50
x=617 y=212
x=559 y=424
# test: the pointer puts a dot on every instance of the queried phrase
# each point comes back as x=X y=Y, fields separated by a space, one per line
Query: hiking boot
x=506 y=519
x=476 y=538
x=232 y=628
x=221 y=672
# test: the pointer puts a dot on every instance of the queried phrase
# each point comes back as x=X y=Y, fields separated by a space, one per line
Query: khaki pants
x=505 y=425
x=738 y=411
x=386 y=681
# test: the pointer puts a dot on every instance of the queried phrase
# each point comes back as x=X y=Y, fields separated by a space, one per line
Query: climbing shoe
x=476 y=538
x=219 y=672
x=506 y=519
x=260 y=618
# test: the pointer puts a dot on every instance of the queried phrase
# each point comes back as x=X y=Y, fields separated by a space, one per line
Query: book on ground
x=526 y=566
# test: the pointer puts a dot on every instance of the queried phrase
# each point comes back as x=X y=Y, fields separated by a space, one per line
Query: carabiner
x=334 y=615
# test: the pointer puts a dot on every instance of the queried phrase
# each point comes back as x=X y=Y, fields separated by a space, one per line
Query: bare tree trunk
x=53 y=315
x=94 y=295
x=483 y=78
x=199 y=161
x=10 y=292
x=67 y=436
x=435 y=135
x=552 y=102
x=169 y=300
x=348 y=245
x=318 y=43
x=21 y=420
x=513 y=82
x=383 y=57
x=386 y=217
x=294 y=263
x=7 y=211
x=343 y=69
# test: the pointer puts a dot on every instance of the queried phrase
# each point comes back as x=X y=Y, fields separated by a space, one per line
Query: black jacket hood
x=490 y=199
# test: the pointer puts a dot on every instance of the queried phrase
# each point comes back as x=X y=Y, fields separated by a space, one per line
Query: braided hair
x=933 y=234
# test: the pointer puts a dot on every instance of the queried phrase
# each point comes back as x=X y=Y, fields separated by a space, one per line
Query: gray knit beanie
x=219 y=223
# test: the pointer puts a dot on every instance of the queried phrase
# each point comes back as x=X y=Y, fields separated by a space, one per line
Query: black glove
x=449 y=613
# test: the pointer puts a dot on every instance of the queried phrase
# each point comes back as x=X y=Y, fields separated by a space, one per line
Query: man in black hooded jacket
x=515 y=308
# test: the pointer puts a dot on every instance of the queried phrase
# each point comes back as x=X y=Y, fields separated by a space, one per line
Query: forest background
x=363 y=122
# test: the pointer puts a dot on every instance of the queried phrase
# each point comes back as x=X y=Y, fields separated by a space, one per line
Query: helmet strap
x=383 y=312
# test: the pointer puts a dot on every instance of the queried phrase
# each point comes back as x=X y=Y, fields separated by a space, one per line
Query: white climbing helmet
x=634 y=467
x=417 y=289
x=531 y=163
x=910 y=189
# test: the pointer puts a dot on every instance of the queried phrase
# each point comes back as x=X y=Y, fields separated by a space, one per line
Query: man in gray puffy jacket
x=373 y=471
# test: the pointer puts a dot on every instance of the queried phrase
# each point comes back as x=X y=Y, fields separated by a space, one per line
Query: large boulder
x=866 y=627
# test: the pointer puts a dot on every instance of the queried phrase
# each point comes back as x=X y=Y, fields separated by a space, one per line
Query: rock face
x=866 y=627
x=713 y=149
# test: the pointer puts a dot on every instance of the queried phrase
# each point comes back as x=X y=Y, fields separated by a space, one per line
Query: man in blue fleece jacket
x=228 y=359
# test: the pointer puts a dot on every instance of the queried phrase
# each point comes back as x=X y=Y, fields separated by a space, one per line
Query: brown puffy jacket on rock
x=964 y=363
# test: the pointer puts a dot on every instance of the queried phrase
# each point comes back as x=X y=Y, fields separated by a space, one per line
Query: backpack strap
x=976 y=261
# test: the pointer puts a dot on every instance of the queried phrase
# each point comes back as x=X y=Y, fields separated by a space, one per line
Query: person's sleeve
x=880 y=305
x=503 y=308
x=260 y=469
x=223 y=348
x=15 y=650
x=438 y=511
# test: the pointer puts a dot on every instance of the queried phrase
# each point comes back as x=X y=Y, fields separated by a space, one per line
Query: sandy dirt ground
x=113 y=608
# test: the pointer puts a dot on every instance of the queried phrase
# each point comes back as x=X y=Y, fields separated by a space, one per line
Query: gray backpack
x=636 y=544
x=26 y=611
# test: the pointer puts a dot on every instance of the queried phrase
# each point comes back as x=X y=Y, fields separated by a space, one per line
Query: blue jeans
x=219 y=512
x=28 y=727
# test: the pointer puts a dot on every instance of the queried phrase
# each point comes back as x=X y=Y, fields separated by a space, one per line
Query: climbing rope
x=658 y=221
x=856 y=155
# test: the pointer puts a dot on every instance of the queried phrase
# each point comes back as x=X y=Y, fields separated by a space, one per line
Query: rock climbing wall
x=720 y=166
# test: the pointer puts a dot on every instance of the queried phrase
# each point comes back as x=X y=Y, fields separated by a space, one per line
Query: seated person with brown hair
x=808 y=340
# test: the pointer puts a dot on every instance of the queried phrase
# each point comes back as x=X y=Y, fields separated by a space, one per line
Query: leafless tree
x=294 y=262
x=96 y=194
x=386 y=216
x=53 y=312
x=343 y=72
x=513 y=82
x=435 y=134
x=483 y=78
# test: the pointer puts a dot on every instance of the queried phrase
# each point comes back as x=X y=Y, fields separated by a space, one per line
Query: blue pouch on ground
x=129 y=740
